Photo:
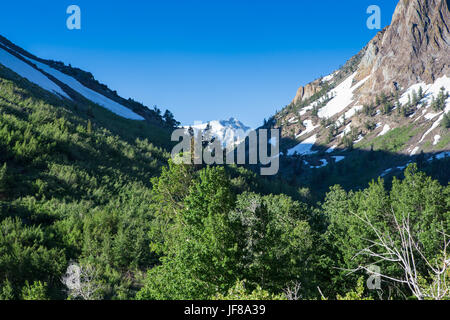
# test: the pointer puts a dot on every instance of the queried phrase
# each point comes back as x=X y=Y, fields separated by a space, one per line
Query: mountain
x=92 y=207
x=229 y=132
x=79 y=174
x=75 y=84
x=391 y=97
x=73 y=160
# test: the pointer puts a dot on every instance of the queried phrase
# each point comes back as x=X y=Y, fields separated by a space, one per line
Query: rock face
x=307 y=91
x=414 y=48
x=393 y=83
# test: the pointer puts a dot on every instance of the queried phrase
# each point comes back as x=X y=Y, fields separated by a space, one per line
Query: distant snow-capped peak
x=229 y=132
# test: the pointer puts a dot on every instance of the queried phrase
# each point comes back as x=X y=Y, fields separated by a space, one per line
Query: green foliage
x=199 y=253
x=394 y=140
x=370 y=126
x=315 y=111
x=239 y=292
x=347 y=141
x=89 y=127
x=369 y=110
x=78 y=183
x=274 y=240
x=4 y=179
x=169 y=118
x=26 y=253
x=357 y=294
x=36 y=291
x=69 y=192
x=422 y=199
x=210 y=239
x=446 y=120
x=438 y=104
x=6 y=291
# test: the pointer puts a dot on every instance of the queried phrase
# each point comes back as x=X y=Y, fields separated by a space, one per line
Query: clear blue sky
x=203 y=59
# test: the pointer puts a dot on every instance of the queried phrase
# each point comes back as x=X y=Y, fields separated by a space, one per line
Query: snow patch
x=28 y=72
x=88 y=93
x=331 y=149
x=338 y=158
x=349 y=114
x=304 y=148
x=414 y=151
x=385 y=172
x=306 y=109
x=293 y=120
x=385 y=130
x=443 y=155
x=348 y=129
x=343 y=97
x=329 y=77
x=431 y=116
x=437 y=138
x=434 y=126
x=429 y=90
x=360 y=138
x=323 y=162
x=309 y=128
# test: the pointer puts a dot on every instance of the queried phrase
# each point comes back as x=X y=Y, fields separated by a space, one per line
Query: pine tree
x=169 y=119
x=397 y=100
x=420 y=93
x=415 y=99
x=89 y=127
x=348 y=142
x=3 y=178
x=438 y=104
x=315 y=112
x=446 y=120
x=90 y=112
x=386 y=108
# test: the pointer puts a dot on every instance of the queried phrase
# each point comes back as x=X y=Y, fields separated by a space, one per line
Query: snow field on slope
x=304 y=147
x=343 y=97
x=28 y=72
x=309 y=128
x=89 y=94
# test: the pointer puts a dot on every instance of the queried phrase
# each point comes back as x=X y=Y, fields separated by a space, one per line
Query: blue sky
x=202 y=59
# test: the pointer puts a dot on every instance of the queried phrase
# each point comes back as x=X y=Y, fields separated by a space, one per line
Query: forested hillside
x=92 y=206
x=80 y=185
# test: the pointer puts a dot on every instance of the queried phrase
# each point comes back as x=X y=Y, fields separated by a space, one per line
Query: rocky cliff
x=392 y=96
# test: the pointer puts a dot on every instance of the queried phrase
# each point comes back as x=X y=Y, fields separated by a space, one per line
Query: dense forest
x=80 y=186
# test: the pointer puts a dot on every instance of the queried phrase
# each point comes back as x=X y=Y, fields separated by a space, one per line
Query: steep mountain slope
x=74 y=84
x=72 y=168
x=387 y=98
